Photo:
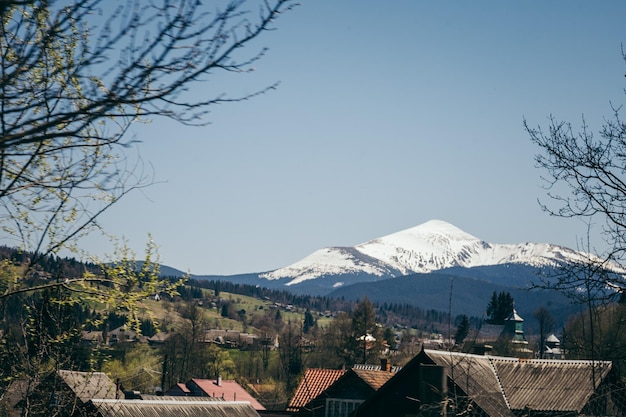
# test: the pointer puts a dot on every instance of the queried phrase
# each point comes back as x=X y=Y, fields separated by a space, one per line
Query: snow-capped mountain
x=431 y=246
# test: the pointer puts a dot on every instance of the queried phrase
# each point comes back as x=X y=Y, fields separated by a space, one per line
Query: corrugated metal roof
x=314 y=382
x=549 y=385
x=142 y=408
x=499 y=384
x=151 y=397
x=475 y=375
x=89 y=385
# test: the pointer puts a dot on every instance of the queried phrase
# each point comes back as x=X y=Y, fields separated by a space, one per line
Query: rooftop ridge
x=497 y=376
x=521 y=360
x=172 y=402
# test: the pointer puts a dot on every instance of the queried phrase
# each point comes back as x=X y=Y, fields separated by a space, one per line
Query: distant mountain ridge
x=433 y=266
x=431 y=246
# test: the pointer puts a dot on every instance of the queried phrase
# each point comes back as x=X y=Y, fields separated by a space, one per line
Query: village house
x=438 y=383
x=346 y=393
x=509 y=335
x=552 y=348
x=334 y=392
x=312 y=384
x=122 y=334
x=94 y=394
x=233 y=338
x=226 y=390
x=64 y=390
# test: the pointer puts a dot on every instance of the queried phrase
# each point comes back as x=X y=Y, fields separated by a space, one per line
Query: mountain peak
x=428 y=247
x=433 y=228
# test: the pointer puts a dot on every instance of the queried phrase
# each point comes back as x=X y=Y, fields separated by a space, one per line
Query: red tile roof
x=228 y=390
x=314 y=382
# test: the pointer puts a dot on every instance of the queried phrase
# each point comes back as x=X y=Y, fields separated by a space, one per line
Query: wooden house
x=226 y=390
x=93 y=394
x=67 y=393
x=344 y=395
x=438 y=383
x=312 y=384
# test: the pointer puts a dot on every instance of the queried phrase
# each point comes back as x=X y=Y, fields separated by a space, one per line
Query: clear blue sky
x=388 y=114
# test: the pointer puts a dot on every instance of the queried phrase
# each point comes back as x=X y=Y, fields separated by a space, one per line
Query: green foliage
x=138 y=369
x=390 y=338
x=462 y=329
x=219 y=363
x=291 y=353
x=124 y=283
x=309 y=322
x=500 y=307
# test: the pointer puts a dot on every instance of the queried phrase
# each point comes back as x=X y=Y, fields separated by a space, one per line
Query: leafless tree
x=585 y=175
x=74 y=77
x=546 y=324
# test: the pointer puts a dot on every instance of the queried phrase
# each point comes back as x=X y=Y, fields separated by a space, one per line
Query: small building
x=231 y=338
x=552 y=348
x=312 y=384
x=159 y=338
x=343 y=396
x=226 y=390
x=92 y=337
x=79 y=394
x=122 y=334
x=513 y=335
x=67 y=392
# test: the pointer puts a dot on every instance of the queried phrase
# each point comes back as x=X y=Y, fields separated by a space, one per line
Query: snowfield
x=431 y=246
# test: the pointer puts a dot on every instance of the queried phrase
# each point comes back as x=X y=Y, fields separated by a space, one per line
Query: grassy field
x=168 y=314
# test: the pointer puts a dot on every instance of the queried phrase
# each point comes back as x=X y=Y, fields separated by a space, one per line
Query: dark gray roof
x=171 y=408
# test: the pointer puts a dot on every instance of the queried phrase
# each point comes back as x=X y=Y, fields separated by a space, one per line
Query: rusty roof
x=226 y=389
x=313 y=383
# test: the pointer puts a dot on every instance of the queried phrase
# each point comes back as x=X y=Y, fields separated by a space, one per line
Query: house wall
x=417 y=392
x=351 y=388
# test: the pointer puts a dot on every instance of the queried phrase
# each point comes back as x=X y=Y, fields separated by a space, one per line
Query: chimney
x=385 y=365
x=218 y=382
x=432 y=387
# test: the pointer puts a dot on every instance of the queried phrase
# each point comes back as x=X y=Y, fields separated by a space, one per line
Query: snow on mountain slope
x=428 y=247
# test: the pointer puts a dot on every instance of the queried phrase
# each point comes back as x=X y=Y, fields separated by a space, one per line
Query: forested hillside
x=262 y=338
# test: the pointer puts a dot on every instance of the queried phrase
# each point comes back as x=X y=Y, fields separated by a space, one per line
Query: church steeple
x=513 y=333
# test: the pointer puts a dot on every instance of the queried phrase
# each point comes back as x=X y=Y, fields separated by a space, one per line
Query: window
x=338 y=407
